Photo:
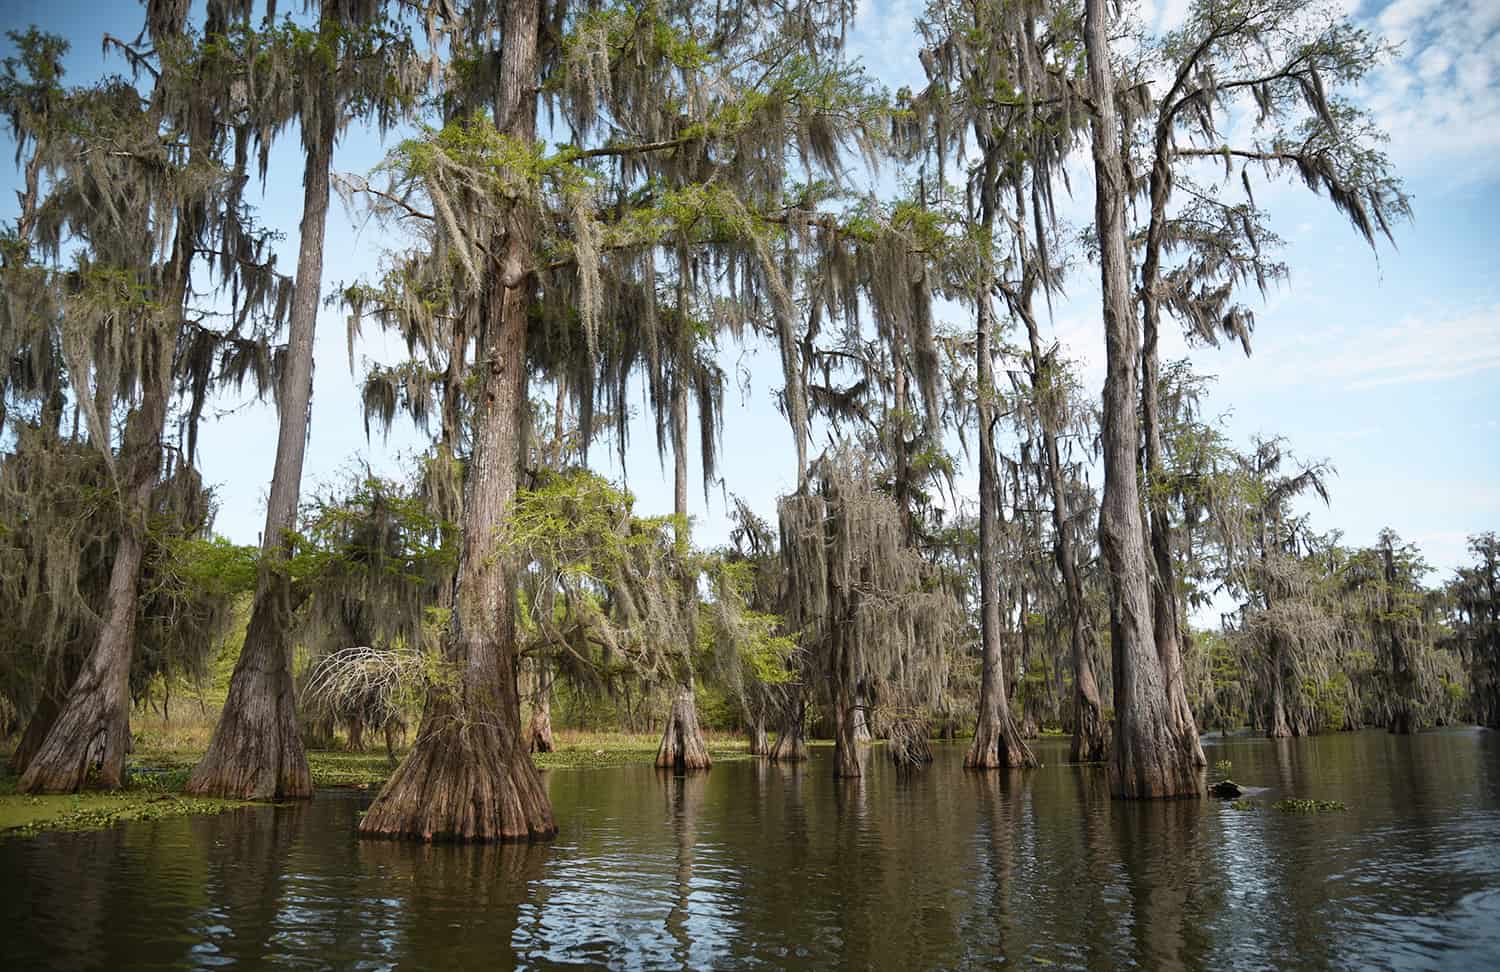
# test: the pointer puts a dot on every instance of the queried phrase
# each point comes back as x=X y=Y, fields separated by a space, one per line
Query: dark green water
x=756 y=865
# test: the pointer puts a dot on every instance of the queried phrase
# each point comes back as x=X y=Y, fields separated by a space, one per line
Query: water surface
x=755 y=865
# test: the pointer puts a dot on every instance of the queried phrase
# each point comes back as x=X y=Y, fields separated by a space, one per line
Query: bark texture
x=87 y=742
x=760 y=745
x=997 y=742
x=1090 y=735
x=1148 y=758
x=539 y=731
x=469 y=777
x=256 y=752
x=846 y=761
x=791 y=740
x=682 y=745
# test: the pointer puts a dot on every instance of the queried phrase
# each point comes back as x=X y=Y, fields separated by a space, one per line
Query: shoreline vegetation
x=166 y=750
x=719 y=195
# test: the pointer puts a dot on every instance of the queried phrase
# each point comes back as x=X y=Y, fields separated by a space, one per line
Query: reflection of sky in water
x=774 y=867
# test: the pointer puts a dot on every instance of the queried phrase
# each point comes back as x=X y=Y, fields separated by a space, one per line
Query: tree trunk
x=1403 y=722
x=861 y=714
x=87 y=741
x=357 y=734
x=996 y=741
x=539 y=732
x=759 y=745
x=1166 y=617
x=682 y=745
x=1277 y=726
x=468 y=777
x=846 y=761
x=256 y=751
x=62 y=674
x=37 y=727
x=1148 y=759
x=390 y=742
x=791 y=741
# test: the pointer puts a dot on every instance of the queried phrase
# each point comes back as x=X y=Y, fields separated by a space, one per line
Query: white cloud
x=1440 y=101
x=1416 y=349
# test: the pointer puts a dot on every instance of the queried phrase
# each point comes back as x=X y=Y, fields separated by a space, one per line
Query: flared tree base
x=1090 y=736
x=1154 y=765
x=998 y=745
x=85 y=746
x=682 y=747
x=256 y=752
x=760 y=745
x=34 y=735
x=462 y=782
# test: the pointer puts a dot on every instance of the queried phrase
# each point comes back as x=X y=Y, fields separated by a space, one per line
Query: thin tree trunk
x=90 y=738
x=862 y=714
x=1402 y=720
x=846 y=761
x=539 y=732
x=61 y=674
x=1166 y=616
x=256 y=752
x=759 y=744
x=682 y=744
x=87 y=741
x=1165 y=609
x=468 y=777
x=1148 y=760
x=996 y=740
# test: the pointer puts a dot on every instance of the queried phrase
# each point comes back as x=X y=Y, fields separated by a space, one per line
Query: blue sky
x=1386 y=364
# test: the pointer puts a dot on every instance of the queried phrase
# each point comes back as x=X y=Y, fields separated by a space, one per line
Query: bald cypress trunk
x=469 y=777
x=256 y=751
x=997 y=742
x=1090 y=735
x=1148 y=758
x=539 y=732
x=682 y=746
x=791 y=739
x=87 y=743
x=1403 y=720
x=1166 y=614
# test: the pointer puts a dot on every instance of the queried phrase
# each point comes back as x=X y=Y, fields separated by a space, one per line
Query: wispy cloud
x=1440 y=101
x=1415 y=349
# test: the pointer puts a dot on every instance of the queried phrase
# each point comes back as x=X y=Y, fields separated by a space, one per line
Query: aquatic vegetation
x=1309 y=806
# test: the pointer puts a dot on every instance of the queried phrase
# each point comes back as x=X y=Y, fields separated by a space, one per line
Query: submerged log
x=1226 y=790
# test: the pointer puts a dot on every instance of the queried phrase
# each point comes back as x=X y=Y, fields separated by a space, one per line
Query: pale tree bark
x=1165 y=607
x=469 y=777
x=539 y=731
x=997 y=742
x=682 y=746
x=1149 y=759
x=1090 y=735
x=256 y=752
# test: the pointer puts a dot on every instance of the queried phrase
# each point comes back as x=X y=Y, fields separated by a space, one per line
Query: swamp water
x=758 y=865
